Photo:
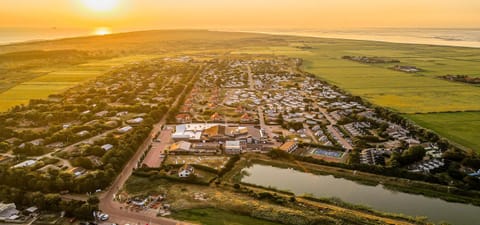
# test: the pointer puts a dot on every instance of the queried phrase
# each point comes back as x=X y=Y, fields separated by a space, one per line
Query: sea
x=16 y=35
x=433 y=36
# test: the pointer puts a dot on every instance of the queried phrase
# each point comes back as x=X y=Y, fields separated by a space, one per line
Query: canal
x=377 y=197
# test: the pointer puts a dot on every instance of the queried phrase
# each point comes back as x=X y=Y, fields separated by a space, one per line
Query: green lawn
x=212 y=216
x=140 y=185
x=461 y=127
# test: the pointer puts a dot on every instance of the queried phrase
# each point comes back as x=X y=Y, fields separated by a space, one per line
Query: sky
x=240 y=14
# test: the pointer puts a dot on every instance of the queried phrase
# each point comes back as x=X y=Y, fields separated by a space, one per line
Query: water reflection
x=378 y=197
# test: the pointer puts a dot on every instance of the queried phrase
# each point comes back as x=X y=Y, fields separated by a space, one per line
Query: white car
x=103 y=217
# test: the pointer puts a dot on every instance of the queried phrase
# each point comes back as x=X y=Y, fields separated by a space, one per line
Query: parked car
x=103 y=217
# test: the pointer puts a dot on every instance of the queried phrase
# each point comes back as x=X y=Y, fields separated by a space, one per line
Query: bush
x=380 y=170
x=229 y=166
x=205 y=168
x=279 y=154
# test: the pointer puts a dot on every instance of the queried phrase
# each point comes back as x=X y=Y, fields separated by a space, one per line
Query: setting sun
x=100 y=5
x=102 y=31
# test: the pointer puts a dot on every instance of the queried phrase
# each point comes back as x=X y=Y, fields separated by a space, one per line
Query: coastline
x=374 y=38
x=398 y=38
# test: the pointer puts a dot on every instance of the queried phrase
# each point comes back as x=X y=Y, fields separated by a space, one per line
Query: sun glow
x=100 y=5
x=102 y=31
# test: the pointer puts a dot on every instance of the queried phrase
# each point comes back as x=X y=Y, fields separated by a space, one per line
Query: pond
x=376 y=197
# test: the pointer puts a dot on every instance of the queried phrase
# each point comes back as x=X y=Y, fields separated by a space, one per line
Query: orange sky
x=243 y=14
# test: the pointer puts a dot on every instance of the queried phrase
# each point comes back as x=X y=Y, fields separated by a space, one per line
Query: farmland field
x=461 y=127
x=60 y=80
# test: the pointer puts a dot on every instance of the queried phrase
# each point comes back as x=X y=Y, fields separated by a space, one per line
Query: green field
x=60 y=80
x=461 y=127
x=212 y=216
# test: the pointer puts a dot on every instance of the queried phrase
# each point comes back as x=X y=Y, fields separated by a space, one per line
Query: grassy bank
x=211 y=216
x=397 y=184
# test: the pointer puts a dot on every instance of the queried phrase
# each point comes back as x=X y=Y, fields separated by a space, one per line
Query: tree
x=93 y=200
x=471 y=162
x=53 y=201
x=354 y=157
x=413 y=154
x=280 y=119
x=454 y=154
x=453 y=171
x=4 y=146
x=393 y=161
x=82 y=162
x=84 y=211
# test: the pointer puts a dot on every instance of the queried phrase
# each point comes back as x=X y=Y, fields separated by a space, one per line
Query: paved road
x=265 y=127
x=261 y=116
x=250 y=78
x=310 y=133
x=334 y=131
x=113 y=208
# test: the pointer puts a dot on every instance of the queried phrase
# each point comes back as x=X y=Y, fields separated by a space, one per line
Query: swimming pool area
x=329 y=153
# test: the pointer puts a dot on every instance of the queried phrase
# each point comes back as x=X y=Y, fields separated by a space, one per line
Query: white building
x=233 y=147
x=135 y=121
x=107 y=147
x=124 y=129
x=192 y=132
x=25 y=164
x=186 y=171
x=8 y=211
